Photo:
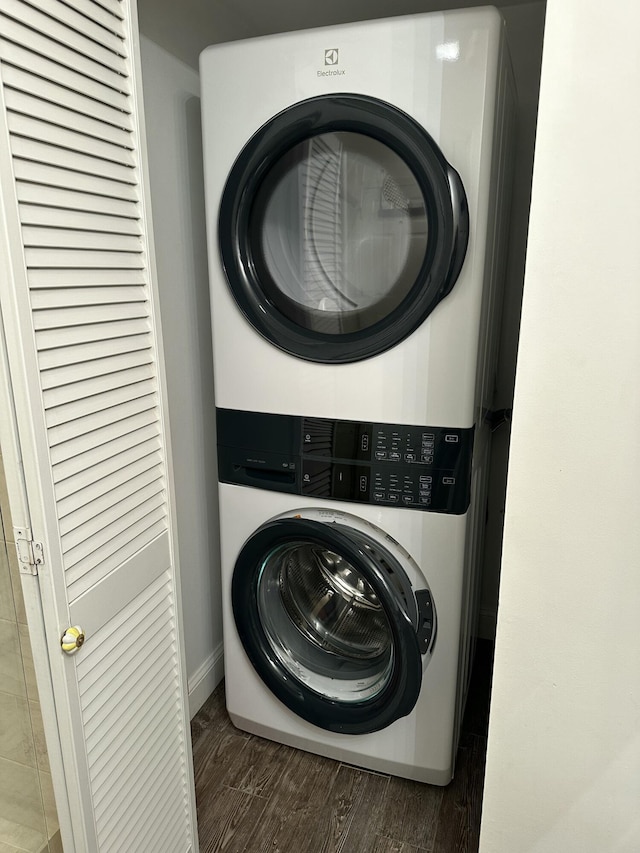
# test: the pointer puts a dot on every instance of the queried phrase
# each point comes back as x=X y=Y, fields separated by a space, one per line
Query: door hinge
x=30 y=553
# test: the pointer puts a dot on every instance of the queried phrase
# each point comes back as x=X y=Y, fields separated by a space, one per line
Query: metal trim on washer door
x=442 y=190
x=403 y=683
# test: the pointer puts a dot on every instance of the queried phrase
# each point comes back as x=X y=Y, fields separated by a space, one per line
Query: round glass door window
x=341 y=227
x=340 y=231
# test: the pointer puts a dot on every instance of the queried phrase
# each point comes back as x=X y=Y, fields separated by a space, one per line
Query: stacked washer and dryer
x=356 y=189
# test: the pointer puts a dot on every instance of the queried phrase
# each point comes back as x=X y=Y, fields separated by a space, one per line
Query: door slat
x=68 y=199
x=70 y=238
x=64 y=34
x=77 y=220
x=78 y=21
x=44 y=44
x=16 y=56
x=69 y=138
x=26 y=84
x=61 y=116
x=78 y=165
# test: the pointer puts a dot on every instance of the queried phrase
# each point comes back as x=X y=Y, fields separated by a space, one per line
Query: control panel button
x=381 y=454
x=451 y=438
x=410 y=457
x=448 y=481
x=379 y=496
x=407 y=499
x=364 y=483
x=393 y=498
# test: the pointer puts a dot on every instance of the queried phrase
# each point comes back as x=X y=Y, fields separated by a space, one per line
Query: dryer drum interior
x=330 y=622
x=341 y=222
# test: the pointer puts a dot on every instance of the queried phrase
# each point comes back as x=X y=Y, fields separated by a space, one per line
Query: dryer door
x=330 y=622
x=341 y=224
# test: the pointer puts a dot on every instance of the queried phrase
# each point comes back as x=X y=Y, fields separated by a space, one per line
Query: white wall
x=563 y=763
x=284 y=15
x=186 y=27
x=172 y=112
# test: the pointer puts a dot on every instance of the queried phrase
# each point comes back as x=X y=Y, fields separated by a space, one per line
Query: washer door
x=330 y=622
x=341 y=225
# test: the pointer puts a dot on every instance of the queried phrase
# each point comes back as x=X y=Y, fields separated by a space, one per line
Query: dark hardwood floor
x=255 y=796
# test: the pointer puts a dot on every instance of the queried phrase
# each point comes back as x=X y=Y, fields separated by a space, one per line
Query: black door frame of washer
x=410 y=615
x=446 y=208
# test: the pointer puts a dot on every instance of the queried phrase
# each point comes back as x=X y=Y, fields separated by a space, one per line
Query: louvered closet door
x=84 y=346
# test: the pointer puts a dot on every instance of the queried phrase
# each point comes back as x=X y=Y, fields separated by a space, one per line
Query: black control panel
x=427 y=468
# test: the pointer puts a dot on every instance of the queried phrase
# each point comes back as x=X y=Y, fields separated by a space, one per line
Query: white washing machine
x=356 y=185
x=346 y=628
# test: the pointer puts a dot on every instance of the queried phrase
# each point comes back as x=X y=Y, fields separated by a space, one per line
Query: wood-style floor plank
x=390 y=845
x=212 y=719
x=229 y=821
x=410 y=812
x=254 y=796
x=215 y=757
x=347 y=822
x=458 y=823
x=296 y=810
x=258 y=767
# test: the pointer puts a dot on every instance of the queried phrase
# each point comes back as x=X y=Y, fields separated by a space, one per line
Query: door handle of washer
x=287 y=478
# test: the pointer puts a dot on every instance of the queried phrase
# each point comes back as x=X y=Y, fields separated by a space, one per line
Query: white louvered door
x=84 y=351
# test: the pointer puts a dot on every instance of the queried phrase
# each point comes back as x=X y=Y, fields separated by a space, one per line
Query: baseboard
x=487 y=624
x=205 y=680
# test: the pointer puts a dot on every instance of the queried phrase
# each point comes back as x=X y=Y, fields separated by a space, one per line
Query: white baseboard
x=205 y=680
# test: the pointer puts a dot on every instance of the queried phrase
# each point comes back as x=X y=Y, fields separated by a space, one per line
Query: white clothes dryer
x=354 y=183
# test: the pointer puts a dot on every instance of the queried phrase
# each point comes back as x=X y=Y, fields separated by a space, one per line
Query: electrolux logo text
x=331 y=57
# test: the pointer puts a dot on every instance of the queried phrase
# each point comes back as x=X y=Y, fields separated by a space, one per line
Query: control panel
x=417 y=467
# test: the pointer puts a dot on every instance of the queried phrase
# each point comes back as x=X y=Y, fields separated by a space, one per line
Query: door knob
x=72 y=639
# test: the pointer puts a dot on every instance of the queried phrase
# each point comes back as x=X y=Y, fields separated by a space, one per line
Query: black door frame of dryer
x=259 y=297
x=410 y=615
